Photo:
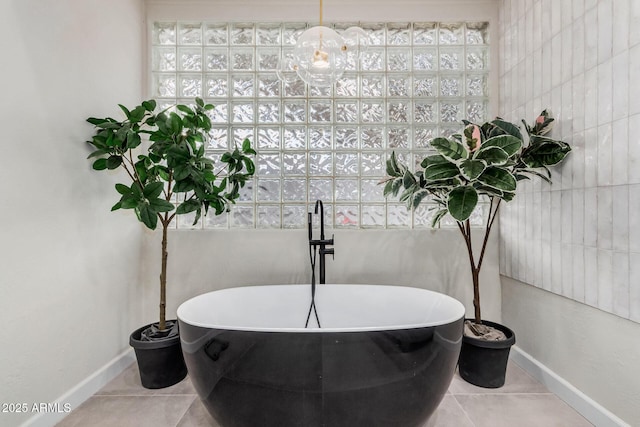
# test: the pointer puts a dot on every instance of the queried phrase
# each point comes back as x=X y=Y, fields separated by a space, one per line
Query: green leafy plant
x=484 y=160
x=173 y=170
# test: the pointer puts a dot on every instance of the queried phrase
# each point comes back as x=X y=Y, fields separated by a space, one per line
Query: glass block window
x=416 y=81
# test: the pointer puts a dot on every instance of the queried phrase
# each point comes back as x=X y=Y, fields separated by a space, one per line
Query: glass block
x=398 y=85
x=216 y=34
x=269 y=190
x=268 y=59
x=376 y=33
x=243 y=85
x=190 y=34
x=372 y=112
x=399 y=112
x=347 y=215
x=371 y=190
x=425 y=33
x=476 y=85
x=246 y=192
x=218 y=139
x=423 y=135
x=241 y=216
x=295 y=111
x=295 y=88
x=185 y=222
x=372 y=137
x=476 y=111
x=216 y=221
x=477 y=33
x=242 y=133
x=243 y=112
x=220 y=113
x=242 y=59
x=294 y=163
x=294 y=216
x=164 y=59
x=424 y=112
x=268 y=34
x=320 y=111
x=477 y=218
x=450 y=60
x=268 y=138
x=398 y=59
x=448 y=130
x=347 y=86
x=295 y=138
x=321 y=189
x=373 y=216
x=268 y=216
x=398 y=216
x=347 y=189
x=164 y=33
x=372 y=86
x=320 y=163
x=347 y=163
x=242 y=34
x=424 y=59
x=320 y=137
x=423 y=214
x=372 y=164
x=451 y=86
x=294 y=190
x=398 y=137
x=347 y=112
x=190 y=59
x=451 y=112
x=216 y=59
x=346 y=137
x=477 y=59
x=190 y=85
x=319 y=92
x=165 y=85
x=451 y=33
x=216 y=86
x=291 y=32
x=399 y=34
x=425 y=85
x=269 y=112
x=372 y=60
x=268 y=164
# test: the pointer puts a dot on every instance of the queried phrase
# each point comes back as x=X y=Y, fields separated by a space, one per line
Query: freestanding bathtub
x=383 y=356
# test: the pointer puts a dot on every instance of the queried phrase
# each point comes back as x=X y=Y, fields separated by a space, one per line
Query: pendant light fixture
x=320 y=55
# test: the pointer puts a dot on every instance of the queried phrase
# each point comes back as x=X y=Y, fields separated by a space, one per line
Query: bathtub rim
x=457 y=312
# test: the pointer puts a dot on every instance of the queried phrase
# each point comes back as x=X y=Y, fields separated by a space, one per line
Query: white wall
x=579 y=237
x=69 y=266
x=206 y=260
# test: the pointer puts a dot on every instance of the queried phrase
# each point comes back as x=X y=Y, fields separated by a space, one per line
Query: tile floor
x=522 y=402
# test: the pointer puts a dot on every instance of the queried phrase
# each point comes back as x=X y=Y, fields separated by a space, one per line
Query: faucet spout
x=322 y=243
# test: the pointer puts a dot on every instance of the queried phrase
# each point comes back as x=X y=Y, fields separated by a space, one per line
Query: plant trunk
x=475 y=274
x=163 y=279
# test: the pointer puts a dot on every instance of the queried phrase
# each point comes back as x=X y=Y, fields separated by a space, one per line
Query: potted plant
x=484 y=161
x=172 y=176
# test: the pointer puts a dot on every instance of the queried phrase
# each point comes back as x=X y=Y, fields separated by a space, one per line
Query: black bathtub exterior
x=394 y=378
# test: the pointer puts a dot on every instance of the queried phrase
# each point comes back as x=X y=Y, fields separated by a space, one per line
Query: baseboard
x=83 y=391
x=583 y=404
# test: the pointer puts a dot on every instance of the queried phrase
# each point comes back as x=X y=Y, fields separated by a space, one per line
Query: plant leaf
x=498 y=178
x=510 y=144
x=439 y=171
x=493 y=156
x=147 y=215
x=461 y=202
x=471 y=169
x=449 y=148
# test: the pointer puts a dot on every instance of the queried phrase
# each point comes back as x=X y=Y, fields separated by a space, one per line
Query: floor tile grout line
x=466 y=414
x=505 y=394
x=186 y=411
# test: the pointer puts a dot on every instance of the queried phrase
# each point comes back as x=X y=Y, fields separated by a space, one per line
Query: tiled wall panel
x=579 y=237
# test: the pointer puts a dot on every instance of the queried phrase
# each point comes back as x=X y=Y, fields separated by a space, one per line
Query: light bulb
x=320 y=56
